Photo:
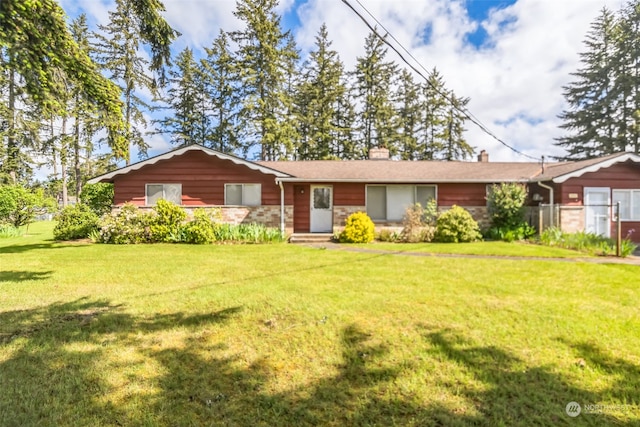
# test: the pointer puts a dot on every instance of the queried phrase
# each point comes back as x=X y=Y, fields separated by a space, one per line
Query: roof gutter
x=550 y=201
x=401 y=181
x=282 y=218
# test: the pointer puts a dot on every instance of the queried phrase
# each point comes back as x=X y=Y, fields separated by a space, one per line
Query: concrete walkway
x=630 y=260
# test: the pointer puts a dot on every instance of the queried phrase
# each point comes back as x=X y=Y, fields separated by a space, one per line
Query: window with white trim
x=243 y=194
x=389 y=202
x=169 y=192
x=629 y=204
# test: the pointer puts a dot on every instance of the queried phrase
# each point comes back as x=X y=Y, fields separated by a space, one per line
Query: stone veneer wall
x=571 y=218
x=267 y=215
x=341 y=213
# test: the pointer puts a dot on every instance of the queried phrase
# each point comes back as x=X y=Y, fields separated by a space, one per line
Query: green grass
x=517 y=249
x=280 y=335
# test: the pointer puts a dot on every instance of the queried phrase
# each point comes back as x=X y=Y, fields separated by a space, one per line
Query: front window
x=243 y=194
x=629 y=204
x=169 y=192
x=390 y=202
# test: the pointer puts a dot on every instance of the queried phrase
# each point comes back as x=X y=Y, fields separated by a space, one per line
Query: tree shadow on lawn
x=48 y=354
x=515 y=394
x=23 y=276
x=50 y=358
x=50 y=244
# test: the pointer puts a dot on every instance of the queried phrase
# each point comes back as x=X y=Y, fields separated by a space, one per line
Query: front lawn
x=281 y=335
x=509 y=249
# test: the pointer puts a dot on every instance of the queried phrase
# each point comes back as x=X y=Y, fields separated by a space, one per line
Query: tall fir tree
x=288 y=129
x=626 y=89
x=344 y=136
x=85 y=115
x=186 y=99
x=262 y=60
x=220 y=78
x=374 y=76
x=454 y=144
x=118 y=51
x=591 y=116
x=19 y=123
x=319 y=95
x=40 y=44
x=433 y=120
x=409 y=108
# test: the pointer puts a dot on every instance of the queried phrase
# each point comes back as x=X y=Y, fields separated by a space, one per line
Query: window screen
x=377 y=202
x=243 y=194
x=169 y=192
x=624 y=197
x=399 y=198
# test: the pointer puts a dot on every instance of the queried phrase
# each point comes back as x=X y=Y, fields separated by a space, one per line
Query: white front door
x=321 y=209
x=597 y=211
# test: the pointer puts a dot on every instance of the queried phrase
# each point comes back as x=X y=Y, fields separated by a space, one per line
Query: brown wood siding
x=462 y=194
x=348 y=194
x=619 y=176
x=202 y=177
x=301 y=208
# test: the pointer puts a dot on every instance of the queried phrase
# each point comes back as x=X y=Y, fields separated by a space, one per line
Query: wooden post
x=540 y=219
x=618 y=231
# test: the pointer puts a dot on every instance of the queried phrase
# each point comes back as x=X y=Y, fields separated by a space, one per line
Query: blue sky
x=511 y=57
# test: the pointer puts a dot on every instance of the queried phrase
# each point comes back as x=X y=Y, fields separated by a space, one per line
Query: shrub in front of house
x=76 y=222
x=418 y=223
x=456 y=226
x=359 y=228
x=506 y=207
x=128 y=225
x=200 y=230
x=167 y=222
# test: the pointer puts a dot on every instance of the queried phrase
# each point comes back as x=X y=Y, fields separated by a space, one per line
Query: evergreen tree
x=288 y=130
x=86 y=121
x=318 y=101
x=344 y=140
x=19 y=123
x=591 y=116
x=118 y=51
x=454 y=145
x=434 y=106
x=221 y=86
x=409 y=116
x=187 y=121
x=374 y=78
x=627 y=84
x=262 y=60
x=35 y=36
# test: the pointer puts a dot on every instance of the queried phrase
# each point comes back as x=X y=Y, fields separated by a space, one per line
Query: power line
x=454 y=104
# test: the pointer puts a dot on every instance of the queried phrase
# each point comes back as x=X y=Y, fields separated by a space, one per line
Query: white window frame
x=631 y=192
x=244 y=201
x=415 y=196
x=146 y=191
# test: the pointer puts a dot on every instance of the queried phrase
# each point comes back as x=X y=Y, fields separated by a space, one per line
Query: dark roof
x=403 y=171
x=560 y=172
x=398 y=171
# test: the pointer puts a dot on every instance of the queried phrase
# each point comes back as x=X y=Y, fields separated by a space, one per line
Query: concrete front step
x=310 y=237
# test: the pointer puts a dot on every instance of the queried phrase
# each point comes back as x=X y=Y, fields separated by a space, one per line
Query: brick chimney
x=483 y=157
x=378 y=154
